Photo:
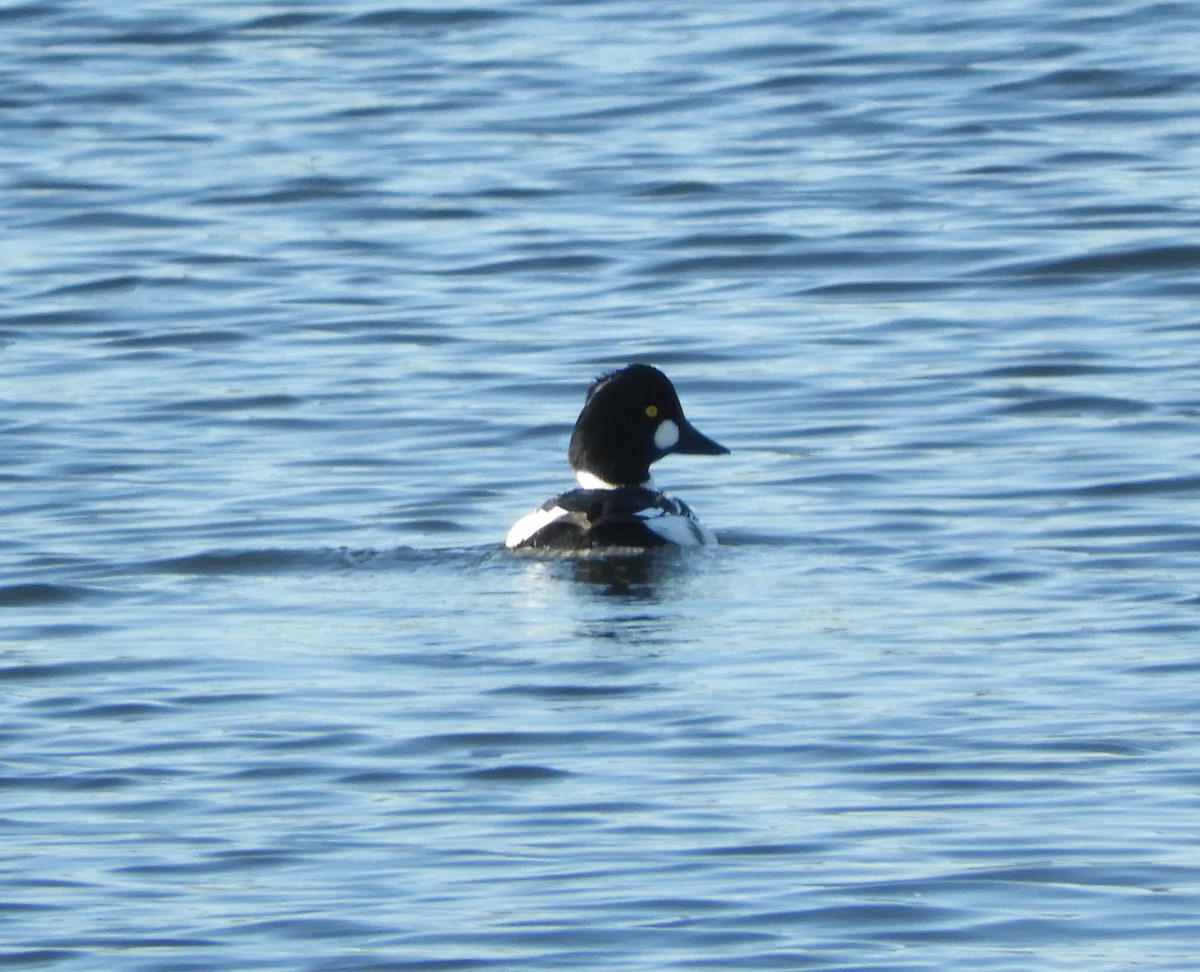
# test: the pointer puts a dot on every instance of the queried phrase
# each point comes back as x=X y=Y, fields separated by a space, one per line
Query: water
x=299 y=303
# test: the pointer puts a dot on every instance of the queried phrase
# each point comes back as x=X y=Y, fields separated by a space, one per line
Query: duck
x=630 y=419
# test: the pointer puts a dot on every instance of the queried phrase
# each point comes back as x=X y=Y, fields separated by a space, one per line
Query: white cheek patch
x=666 y=435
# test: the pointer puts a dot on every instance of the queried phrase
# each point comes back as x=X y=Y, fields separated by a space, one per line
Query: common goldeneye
x=631 y=418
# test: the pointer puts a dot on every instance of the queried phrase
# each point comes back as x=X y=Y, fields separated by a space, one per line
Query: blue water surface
x=298 y=303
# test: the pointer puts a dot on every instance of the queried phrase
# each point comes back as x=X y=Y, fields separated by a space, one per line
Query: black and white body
x=631 y=418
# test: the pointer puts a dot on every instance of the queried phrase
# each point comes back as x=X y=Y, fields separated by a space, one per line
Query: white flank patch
x=682 y=531
x=666 y=435
x=527 y=526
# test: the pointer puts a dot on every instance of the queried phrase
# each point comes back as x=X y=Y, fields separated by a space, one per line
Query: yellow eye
x=651 y=411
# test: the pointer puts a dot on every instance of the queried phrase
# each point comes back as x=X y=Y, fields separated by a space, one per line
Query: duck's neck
x=591 y=481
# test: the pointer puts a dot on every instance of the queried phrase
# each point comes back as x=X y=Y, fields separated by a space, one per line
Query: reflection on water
x=638 y=576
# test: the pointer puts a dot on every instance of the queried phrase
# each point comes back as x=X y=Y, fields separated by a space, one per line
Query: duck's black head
x=631 y=419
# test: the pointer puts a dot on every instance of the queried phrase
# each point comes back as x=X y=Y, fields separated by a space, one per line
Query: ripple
x=573 y=691
x=517 y=774
x=431 y=17
x=1143 y=259
x=233 y=562
x=120 y=220
x=1075 y=405
x=689 y=187
x=547 y=264
x=40 y=671
x=285 y=22
x=309 y=189
x=506 y=742
x=34 y=595
x=121 y=710
x=1144 y=487
x=1053 y=369
x=234 y=403
x=723 y=241
x=1087 y=84
x=26 y=957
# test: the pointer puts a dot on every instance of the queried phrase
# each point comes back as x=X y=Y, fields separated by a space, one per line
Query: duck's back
x=629 y=516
